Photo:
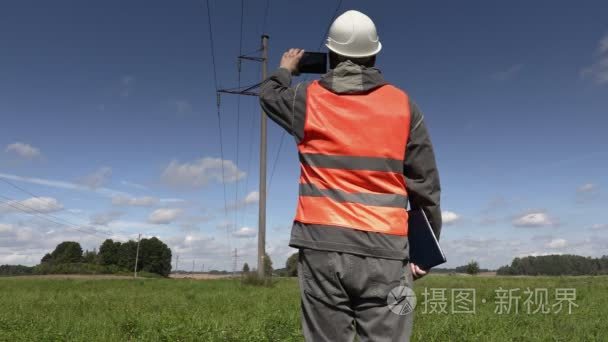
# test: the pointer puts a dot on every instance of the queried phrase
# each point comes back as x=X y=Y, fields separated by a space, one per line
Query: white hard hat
x=353 y=34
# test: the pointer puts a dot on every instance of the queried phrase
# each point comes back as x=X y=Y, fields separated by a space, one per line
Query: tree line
x=558 y=264
x=112 y=257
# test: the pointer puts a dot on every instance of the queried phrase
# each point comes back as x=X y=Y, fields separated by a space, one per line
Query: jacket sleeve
x=420 y=171
x=278 y=99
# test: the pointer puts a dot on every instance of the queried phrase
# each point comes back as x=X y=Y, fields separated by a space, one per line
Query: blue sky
x=109 y=118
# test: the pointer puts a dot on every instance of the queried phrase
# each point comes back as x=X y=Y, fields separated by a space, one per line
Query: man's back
x=289 y=107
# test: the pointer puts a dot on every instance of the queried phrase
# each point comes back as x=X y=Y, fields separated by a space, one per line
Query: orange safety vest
x=351 y=160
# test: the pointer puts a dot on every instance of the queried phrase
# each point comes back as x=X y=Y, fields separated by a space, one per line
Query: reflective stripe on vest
x=351 y=160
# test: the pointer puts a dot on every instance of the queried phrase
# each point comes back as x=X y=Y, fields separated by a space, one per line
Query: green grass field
x=225 y=310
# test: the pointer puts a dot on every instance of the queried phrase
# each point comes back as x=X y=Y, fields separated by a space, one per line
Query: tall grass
x=227 y=310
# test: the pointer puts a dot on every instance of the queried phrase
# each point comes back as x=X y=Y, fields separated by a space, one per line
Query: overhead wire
x=251 y=136
x=219 y=123
x=45 y=216
x=238 y=117
x=2 y=179
x=238 y=123
x=219 y=120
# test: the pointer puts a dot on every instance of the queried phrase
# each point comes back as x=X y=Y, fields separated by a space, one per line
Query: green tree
x=108 y=252
x=292 y=265
x=154 y=256
x=472 y=267
x=67 y=252
x=246 y=268
x=46 y=258
x=267 y=265
x=90 y=257
x=126 y=255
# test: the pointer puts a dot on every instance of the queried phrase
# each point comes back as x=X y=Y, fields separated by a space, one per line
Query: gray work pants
x=344 y=295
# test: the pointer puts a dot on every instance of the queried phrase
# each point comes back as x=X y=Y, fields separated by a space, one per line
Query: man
x=364 y=152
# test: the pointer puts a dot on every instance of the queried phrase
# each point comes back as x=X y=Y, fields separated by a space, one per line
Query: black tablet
x=425 y=251
x=313 y=63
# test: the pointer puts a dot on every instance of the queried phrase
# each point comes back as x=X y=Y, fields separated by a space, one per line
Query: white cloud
x=145 y=201
x=138 y=226
x=98 y=178
x=508 y=73
x=226 y=225
x=103 y=219
x=176 y=201
x=493 y=252
x=534 y=219
x=6 y=228
x=449 y=217
x=25 y=242
x=33 y=205
x=245 y=232
x=63 y=185
x=252 y=198
x=599 y=226
x=557 y=243
x=598 y=71
x=23 y=150
x=164 y=215
x=126 y=85
x=200 y=172
x=586 y=188
x=181 y=106
x=134 y=185
x=603 y=46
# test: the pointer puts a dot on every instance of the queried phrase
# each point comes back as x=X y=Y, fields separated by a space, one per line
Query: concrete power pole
x=262 y=208
x=137 y=254
x=262 y=204
x=176 y=262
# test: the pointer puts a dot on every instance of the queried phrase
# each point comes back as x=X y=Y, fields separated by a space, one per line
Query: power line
x=274 y=164
x=238 y=117
x=17 y=187
x=34 y=212
x=219 y=120
x=219 y=123
x=47 y=214
x=251 y=136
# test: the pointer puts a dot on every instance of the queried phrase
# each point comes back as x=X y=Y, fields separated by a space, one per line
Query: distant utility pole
x=262 y=203
x=193 y=266
x=137 y=254
x=176 y=262
x=235 y=265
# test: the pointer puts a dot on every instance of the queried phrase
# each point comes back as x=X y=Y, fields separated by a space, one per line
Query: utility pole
x=262 y=206
x=176 y=262
x=263 y=149
x=193 y=265
x=235 y=265
x=137 y=254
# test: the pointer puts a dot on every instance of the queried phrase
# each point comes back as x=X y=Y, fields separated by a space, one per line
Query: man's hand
x=290 y=60
x=417 y=272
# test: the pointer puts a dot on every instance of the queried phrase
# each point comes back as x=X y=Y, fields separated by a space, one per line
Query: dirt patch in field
x=199 y=276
